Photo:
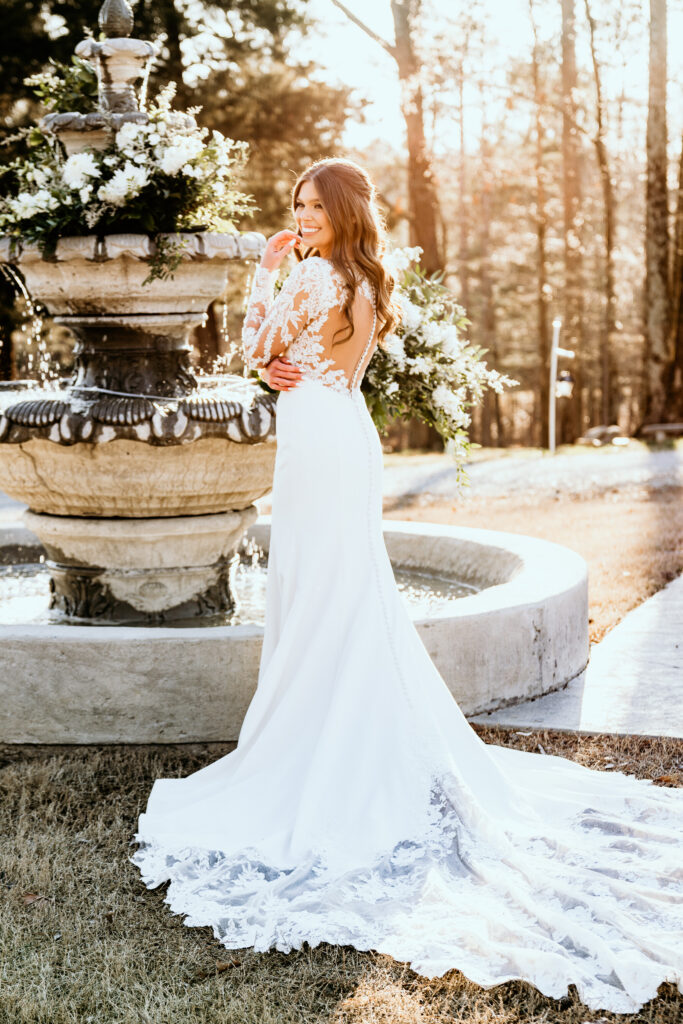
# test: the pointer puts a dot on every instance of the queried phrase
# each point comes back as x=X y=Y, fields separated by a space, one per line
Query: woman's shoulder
x=310 y=270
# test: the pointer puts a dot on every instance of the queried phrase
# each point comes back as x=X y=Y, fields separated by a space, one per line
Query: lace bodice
x=302 y=320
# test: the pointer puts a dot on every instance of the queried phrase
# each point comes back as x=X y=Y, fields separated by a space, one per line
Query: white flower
x=391 y=387
x=432 y=332
x=175 y=156
x=450 y=342
x=126 y=183
x=450 y=402
x=393 y=345
x=85 y=193
x=28 y=204
x=42 y=176
x=400 y=259
x=154 y=137
x=78 y=168
x=411 y=315
x=420 y=365
x=128 y=134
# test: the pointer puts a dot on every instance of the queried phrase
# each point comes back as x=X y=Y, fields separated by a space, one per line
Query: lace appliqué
x=295 y=319
x=444 y=897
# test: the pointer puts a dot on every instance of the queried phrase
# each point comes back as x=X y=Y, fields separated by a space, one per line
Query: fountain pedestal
x=142 y=570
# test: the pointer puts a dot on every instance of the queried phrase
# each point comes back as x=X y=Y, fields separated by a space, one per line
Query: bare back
x=304 y=318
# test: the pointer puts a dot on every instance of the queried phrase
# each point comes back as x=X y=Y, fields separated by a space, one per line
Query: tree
x=424 y=214
x=574 y=336
x=609 y=403
x=676 y=333
x=658 y=338
x=541 y=220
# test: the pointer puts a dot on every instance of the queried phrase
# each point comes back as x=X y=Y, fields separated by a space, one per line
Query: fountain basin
x=92 y=276
x=524 y=634
x=127 y=477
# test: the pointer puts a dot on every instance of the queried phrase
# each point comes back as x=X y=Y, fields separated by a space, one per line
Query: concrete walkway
x=633 y=684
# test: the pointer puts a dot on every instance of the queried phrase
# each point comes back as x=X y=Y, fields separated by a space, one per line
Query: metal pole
x=557 y=324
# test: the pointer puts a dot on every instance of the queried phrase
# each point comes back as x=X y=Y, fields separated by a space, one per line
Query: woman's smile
x=306 y=206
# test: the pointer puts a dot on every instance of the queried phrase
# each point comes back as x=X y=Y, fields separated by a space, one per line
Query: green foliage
x=68 y=87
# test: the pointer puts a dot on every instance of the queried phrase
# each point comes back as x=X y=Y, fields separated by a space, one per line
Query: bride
x=359 y=806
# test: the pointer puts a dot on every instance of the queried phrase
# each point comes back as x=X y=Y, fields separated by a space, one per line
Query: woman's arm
x=271 y=325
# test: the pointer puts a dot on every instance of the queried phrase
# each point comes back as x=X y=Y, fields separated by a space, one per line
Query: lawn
x=84 y=942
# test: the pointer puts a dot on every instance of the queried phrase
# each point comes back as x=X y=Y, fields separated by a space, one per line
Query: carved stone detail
x=140 y=419
x=198 y=245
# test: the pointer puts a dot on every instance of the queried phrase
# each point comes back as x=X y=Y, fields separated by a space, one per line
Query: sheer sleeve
x=271 y=324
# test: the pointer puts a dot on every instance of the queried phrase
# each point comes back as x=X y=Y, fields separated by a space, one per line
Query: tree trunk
x=487 y=326
x=610 y=395
x=463 y=215
x=422 y=196
x=658 y=354
x=676 y=386
x=542 y=289
x=423 y=200
x=573 y=333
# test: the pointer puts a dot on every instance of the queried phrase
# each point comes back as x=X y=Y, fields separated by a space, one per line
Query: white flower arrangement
x=166 y=175
x=426 y=367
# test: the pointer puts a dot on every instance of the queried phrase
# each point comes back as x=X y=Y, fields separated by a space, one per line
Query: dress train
x=359 y=806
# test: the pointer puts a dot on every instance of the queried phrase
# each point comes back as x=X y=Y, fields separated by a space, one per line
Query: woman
x=359 y=806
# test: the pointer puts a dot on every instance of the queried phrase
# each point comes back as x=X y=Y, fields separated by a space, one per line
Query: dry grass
x=631 y=537
x=96 y=946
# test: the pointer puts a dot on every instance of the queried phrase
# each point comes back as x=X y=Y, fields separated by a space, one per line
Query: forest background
x=532 y=148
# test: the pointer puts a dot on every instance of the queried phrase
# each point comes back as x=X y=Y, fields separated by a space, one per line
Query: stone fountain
x=140 y=481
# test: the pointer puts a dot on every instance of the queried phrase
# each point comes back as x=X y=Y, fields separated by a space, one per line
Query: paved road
x=575 y=472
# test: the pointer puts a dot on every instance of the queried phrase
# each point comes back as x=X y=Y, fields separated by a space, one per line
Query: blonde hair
x=348 y=197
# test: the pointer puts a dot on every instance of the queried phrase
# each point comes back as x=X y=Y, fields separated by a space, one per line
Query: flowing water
x=25 y=594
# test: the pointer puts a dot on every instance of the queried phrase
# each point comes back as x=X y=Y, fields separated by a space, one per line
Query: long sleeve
x=271 y=324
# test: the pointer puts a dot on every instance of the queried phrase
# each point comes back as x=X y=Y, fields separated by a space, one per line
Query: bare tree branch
x=368 y=31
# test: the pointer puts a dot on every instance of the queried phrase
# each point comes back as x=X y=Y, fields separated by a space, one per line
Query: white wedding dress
x=359 y=806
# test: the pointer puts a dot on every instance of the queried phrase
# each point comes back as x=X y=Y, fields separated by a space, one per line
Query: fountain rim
x=538 y=570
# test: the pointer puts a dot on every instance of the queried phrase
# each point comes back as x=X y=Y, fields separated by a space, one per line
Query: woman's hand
x=281 y=374
x=277 y=247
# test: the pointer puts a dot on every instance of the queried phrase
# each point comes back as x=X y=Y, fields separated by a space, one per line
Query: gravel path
x=533 y=471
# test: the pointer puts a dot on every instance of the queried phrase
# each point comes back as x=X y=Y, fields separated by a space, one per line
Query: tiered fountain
x=141 y=482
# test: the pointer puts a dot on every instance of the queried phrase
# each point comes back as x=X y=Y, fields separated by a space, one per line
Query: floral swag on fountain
x=140 y=480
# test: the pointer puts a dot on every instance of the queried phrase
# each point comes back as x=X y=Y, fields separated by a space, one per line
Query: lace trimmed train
x=359 y=807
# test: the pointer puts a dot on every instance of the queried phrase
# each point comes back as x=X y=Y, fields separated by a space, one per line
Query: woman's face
x=312 y=221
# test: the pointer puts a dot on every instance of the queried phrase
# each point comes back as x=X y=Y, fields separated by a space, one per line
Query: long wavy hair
x=348 y=197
